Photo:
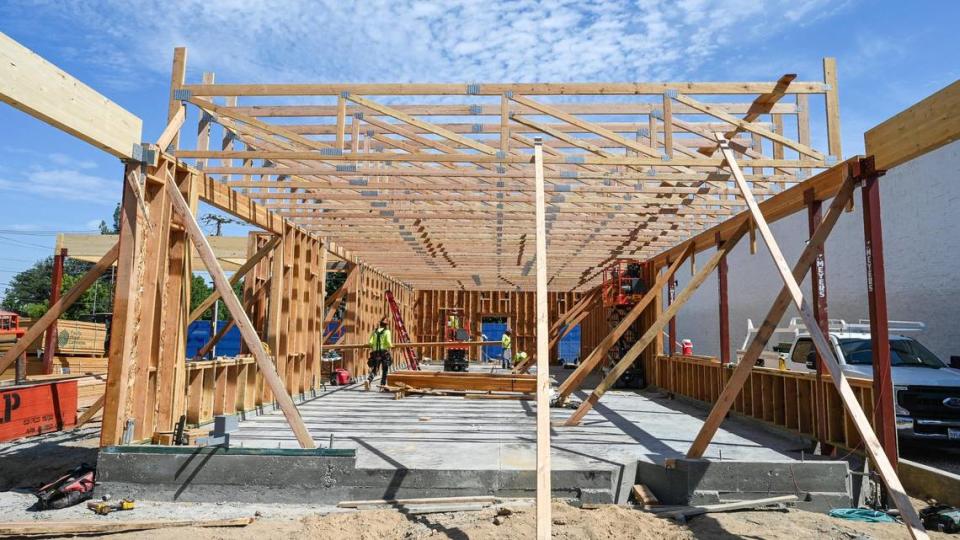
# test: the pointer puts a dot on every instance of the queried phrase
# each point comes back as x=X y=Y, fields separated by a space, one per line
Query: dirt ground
x=27 y=463
x=569 y=523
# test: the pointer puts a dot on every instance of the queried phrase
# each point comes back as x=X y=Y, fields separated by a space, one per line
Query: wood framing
x=41 y=89
x=442 y=195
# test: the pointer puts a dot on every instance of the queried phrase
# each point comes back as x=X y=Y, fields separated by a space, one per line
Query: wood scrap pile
x=401 y=390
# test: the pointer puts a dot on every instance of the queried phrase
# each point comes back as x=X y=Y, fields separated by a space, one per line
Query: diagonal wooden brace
x=590 y=363
x=871 y=444
x=654 y=330
x=247 y=331
x=236 y=277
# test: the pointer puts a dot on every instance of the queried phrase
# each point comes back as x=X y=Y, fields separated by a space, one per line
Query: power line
x=21 y=243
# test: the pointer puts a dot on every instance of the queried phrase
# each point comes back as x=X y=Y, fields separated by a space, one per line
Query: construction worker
x=505 y=342
x=380 y=345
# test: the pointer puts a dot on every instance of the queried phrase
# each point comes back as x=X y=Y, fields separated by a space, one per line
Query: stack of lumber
x=74 y=338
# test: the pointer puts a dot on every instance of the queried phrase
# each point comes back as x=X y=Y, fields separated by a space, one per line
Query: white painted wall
x=921 y=233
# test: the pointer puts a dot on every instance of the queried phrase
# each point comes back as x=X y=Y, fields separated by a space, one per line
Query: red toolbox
x=32 y=409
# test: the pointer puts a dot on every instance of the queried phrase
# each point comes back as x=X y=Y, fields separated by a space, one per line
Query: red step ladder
x=402 y=335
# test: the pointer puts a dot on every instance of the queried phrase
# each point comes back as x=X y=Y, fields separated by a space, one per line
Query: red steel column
x=672 y=327
x=818 y=282
x=884 y=421
x=50 y=340
x=724 y=308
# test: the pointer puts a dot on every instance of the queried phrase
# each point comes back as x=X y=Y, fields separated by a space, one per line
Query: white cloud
x=418 y=40
x=63 y=184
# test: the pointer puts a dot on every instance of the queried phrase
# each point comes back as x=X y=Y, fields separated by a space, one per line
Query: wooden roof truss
x=434 y=182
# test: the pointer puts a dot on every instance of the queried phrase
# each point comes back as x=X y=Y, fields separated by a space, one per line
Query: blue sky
x=890 y=54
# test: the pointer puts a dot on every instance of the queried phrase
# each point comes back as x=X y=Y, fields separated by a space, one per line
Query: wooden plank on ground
x=41 y=89
x=458 y=381
x=87 y=527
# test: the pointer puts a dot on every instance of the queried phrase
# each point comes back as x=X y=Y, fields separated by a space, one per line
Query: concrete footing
x=313 y=476
x=820 y=485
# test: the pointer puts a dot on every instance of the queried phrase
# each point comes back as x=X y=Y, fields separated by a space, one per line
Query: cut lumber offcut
x=431 y=500
x=726 y=507
x=247 y=330
x=84 y=527
x=870 y=441
x=643 y=495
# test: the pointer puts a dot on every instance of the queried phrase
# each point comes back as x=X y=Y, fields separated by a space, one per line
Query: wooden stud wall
x=785 y=399
x=149 y=380
x=519 y=307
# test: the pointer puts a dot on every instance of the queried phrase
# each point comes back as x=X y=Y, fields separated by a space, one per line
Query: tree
x=218 y=222
x=29 y=291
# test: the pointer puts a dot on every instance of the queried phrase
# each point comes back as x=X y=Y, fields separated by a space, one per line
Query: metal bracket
x=671 y=92
x=560 y=188
x=386 y=213
x=146 y=154
x=331 y=152
x=344 y=94
x=664 y=157
x=370 y=193
x=358 y=115
x=223 y=426
x=359 y=181
x=182 y=94
x=830 y=160
x=501 y=154
x=476 y=109
x=657 y=113
x=347 y=168
x=508 y=93
x=378 y=204
x=473 y=89
x=573 y=159
x=477 y=128
x=569 y=174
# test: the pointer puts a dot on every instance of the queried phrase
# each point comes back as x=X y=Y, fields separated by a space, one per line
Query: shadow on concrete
x=390 y=493
x=34 y=461
x=196 y=470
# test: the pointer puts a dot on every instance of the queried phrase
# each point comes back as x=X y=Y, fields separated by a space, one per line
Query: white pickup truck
x=927 y=392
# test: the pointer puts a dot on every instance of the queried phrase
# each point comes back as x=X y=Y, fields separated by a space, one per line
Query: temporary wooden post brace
x=247 y=330
x=59 y=307
x=586 y=367
x=654 y=330
x=544 y=522
x=871 y=444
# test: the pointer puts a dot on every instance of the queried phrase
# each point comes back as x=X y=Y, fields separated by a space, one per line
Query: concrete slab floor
x=453 y=433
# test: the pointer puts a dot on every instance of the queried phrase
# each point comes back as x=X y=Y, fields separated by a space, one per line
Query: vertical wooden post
x=818 y=281
x=832 y=107
x=50 y=338
x=544 y=522
x=178 y=77
x=672 y=326
x=724 y=307
x=884 y=421
x=126 y=315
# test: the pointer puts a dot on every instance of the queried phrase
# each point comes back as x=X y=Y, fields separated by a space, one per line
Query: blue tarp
x=569 y=347
x=199 y=333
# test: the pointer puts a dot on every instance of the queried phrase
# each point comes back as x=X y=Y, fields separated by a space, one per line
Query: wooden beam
x=178 y=76
x=44 y=91
x=88 y=414
x=172 y=131
x=871 y=444
x=40 y=326
x=489 y=89
x=921 y=128
x=654 y=330
x=247 y=331
x=764 y=104
x=544 y=522
x=596 y=356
